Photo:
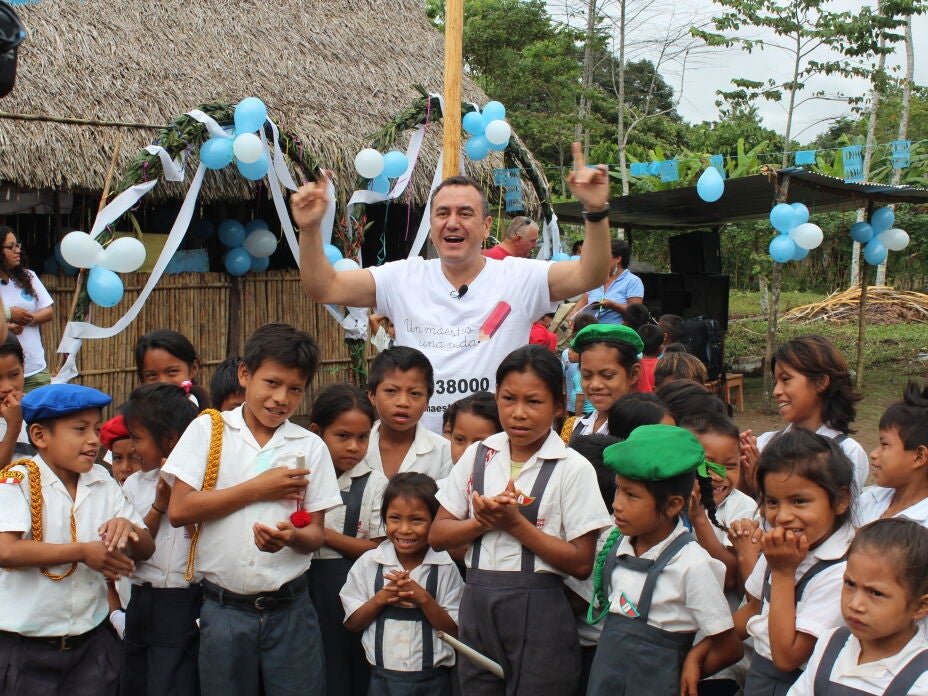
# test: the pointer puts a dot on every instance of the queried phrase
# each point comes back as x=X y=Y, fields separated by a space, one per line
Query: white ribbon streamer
x=214 y=128
x=173 y=169
x=425 y=224
x=76 y=331
x=120 y=205
x=551 y=238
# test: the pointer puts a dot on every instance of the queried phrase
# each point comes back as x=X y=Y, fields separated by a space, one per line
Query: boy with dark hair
x=65 y=526
x=400 y=384
x=14 y=441
x=243 y=480
x=653 y=338
x=672 y=326
x=225 y=392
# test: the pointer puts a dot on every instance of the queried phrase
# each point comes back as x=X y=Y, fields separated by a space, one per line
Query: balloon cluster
x=250 y=246
x=488 y=130
x=122 y=255
x=379 y=168
x=797 y=234
x=710 y=186
x=242 y=145
x=338 y=261
x=879 y=237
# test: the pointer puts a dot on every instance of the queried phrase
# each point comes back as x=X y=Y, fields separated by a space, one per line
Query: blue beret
x=57 y=400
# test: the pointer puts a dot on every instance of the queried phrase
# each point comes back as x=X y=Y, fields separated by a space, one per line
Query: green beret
x=655 y=453
x=607 y=333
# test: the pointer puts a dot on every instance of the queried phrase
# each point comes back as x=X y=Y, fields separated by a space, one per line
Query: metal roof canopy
x=745 y=198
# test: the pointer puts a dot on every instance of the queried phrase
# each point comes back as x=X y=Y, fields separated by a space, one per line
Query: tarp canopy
x=745 y=198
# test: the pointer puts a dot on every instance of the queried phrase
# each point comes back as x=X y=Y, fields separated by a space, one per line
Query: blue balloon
x=474 y=123
x=250 y=115
x=782 y=248
x=232 y=233
x=477 y=147
x=216 y=153
x=259 y=264
x=561 y=256
x=51 y=265
x=253 y=171
x=104 y=286
x=332 y=253
x=499 y=147
x=710 y=186
x=394 y=164
x=882 y=219
x=494 y=111
x=800 y=253
x=380 y=184
x=238 y=261
x=256 y=224
x=802 y=213
x=783 y=218
x=861 y=232
x=874 y=252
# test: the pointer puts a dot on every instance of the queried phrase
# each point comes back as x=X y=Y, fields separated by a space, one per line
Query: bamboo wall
x=214 y=310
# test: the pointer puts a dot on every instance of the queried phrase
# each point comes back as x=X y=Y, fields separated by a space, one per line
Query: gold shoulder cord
x=35 y=507
x=209 y=482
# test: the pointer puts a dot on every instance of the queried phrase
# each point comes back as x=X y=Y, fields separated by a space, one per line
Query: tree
x=800 y=29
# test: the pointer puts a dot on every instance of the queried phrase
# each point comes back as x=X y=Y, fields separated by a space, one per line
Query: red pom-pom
x=301 y=518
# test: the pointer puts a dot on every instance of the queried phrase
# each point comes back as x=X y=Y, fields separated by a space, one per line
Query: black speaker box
x=696 y=252
x=688 y=295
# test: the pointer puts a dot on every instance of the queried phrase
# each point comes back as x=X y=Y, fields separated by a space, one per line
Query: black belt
x=59 y=643
x=263 y=601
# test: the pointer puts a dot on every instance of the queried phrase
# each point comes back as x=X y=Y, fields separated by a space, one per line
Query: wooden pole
x=100 y=206
x=862 y=312
x=454 y=57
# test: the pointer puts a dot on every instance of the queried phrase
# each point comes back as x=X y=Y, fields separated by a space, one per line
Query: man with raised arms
x=464 y=311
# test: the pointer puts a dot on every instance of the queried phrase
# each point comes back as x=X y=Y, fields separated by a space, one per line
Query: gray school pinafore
x=634 y=657
x=901 y=684
x=346 y=670
x=520 y=619
x=430 y=680
x=763 y=678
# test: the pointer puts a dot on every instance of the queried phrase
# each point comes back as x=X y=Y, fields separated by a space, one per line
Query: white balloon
x=260 y=243
x=247 y=148
x=807 y=235
x=346 y=265
x=123 y=255
x=894 y=239
x=80 y=249
x=369 y=163
x=498 y=132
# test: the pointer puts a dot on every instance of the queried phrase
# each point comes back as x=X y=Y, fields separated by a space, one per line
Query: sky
x=708 y=70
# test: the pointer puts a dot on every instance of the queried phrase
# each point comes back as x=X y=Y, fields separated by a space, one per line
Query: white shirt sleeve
x=42 y=298
x=120 y=505
x=704 y=596
x=359 y=587
x=454 y=494
x=322 y=492
x=14 y=507
x=754 y=585
x=819 y=610
x=187 y=460
x=805 y=685
x=450 y=588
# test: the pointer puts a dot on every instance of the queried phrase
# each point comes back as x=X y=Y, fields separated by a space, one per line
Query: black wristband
x=159 y=511
x=597 y=216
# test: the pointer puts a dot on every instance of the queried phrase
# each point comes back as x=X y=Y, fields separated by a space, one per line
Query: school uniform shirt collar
x=362 y=468
x=586 y=423
x=846 y=664
x=626 y=549
x=85 y=481
x=834 y=546
x=421 y=444
x=552 y=448
x=235 y=419
x=385 y=555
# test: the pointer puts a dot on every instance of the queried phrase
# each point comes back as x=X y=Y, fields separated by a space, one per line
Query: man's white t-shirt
x=450 y=328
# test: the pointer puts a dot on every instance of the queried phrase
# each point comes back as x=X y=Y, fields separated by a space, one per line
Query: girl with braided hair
x=657 y=587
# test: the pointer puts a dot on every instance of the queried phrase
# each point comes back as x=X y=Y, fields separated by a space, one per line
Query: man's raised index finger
x=579 y=159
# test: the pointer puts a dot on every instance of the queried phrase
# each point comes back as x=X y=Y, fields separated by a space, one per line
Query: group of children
x=346 y=558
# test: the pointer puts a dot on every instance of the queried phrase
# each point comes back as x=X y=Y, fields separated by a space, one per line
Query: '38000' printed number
x=461 y=386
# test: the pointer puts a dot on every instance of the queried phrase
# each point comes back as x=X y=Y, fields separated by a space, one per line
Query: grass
x=893 y=354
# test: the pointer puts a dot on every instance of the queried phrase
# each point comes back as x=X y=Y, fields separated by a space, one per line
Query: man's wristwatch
x=596 y=216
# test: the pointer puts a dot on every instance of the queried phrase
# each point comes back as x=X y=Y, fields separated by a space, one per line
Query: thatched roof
x=330 y=72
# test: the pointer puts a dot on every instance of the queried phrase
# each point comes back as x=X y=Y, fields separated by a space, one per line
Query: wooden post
x=773 y=308
x=862 y=312
x=454 y=57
